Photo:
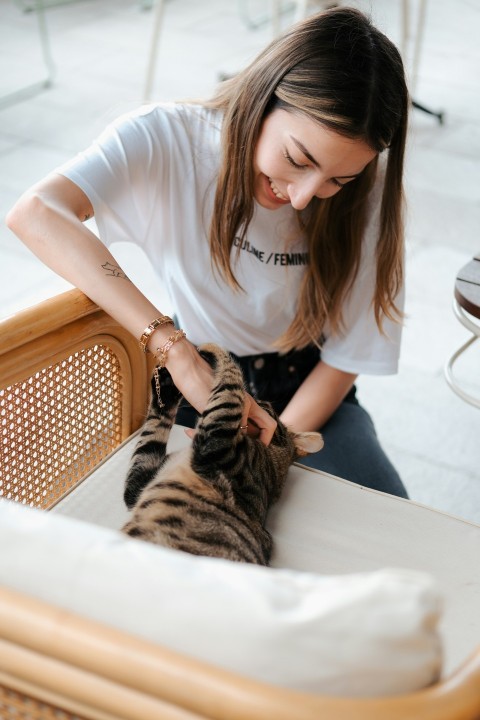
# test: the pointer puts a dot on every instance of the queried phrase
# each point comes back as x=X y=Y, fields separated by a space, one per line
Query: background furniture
x=466 y=302
x=38 y=7
x=296 y=11
x=73 y=385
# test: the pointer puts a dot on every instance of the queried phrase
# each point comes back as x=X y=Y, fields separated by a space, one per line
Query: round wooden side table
x=466 y=306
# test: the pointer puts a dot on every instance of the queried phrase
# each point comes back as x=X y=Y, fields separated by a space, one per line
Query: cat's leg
x=218 y=430
x=150 y=451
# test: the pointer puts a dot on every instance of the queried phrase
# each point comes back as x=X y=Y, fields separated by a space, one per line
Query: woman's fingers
x=259 y=423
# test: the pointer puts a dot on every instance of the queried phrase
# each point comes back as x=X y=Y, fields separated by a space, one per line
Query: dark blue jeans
x=351 y=451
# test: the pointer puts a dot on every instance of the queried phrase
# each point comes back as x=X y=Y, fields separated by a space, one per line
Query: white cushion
x=361 y=634
x=330 y=526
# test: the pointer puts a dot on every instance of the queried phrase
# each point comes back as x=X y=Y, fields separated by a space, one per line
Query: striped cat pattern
x=211 y=498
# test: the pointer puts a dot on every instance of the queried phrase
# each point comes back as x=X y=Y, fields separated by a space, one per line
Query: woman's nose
x=299 y=197
x=301 y=192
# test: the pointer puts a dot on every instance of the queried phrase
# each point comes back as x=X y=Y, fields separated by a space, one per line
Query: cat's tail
x=150 y=451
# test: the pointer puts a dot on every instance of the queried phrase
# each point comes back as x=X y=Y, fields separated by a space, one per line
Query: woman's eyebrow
x=310 y=157
x=304 y=150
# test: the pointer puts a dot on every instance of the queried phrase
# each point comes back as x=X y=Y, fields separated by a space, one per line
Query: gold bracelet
x=161 y=355
x=161 y=352
x=162 y=320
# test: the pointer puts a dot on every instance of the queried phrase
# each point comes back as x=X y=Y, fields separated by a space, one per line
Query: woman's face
x=297 y=159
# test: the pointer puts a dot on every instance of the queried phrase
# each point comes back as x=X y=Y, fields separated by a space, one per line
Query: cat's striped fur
x=213 y=497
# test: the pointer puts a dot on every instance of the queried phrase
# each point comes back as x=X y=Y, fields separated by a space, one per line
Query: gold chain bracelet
x=161 y=354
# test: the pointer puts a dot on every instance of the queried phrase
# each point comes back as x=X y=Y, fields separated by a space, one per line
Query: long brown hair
x=339 y=70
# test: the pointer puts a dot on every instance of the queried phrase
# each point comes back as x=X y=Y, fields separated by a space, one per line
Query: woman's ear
x=308 y=442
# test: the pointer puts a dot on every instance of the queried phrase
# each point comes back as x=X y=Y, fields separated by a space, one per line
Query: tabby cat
x=211 y=498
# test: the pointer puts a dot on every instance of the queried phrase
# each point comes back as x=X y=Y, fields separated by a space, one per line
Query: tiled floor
x=100 y=49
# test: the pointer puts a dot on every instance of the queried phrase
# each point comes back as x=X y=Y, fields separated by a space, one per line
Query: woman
x=272 y=214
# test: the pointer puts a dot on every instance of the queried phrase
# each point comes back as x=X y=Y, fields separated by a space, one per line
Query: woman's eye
x=292 y=161
x=337 y=183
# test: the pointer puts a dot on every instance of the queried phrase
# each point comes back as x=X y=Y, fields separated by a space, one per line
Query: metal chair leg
x=152 y=57
x=38 y=6
x=448 y=370
x=439 y=114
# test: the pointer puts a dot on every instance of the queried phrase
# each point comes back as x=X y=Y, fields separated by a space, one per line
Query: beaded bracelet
x=161 y=355
x=162 y=320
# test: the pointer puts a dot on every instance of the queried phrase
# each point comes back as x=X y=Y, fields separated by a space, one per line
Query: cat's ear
x=308 y=442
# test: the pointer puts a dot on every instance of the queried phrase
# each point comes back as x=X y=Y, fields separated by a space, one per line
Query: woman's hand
x=259 y=423
x=193 y=376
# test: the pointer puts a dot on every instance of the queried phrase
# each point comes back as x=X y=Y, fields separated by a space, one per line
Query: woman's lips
x=276 y=191
x=272 y=191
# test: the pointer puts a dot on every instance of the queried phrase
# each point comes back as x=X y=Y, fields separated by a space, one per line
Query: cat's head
x=304 y=443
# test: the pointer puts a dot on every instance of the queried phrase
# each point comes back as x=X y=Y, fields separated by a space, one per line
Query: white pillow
x=363 y=634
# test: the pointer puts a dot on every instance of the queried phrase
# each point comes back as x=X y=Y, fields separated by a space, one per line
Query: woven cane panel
x=16 y=706
x=58 y=424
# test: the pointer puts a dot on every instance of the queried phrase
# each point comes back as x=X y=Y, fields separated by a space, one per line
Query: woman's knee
x=352 y=451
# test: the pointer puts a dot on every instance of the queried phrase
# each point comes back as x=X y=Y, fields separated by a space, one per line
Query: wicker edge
x=35 y=337
x=49 y=315
x=100 y=668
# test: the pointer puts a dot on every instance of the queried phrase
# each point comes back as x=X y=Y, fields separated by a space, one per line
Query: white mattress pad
x=328 y=525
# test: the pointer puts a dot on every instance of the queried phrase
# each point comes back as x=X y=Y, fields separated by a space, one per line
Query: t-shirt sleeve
x=119 y=173
x=362 y=347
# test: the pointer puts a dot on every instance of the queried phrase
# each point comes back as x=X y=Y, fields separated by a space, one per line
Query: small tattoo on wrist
x=112 y=270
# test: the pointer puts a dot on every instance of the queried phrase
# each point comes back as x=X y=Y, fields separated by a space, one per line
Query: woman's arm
x=317 y=398
x=49 y=220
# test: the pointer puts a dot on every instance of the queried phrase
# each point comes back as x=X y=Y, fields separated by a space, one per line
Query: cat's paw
x=164 y=392
x=213 y=354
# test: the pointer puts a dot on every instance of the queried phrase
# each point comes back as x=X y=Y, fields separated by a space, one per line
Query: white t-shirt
x=151 y=180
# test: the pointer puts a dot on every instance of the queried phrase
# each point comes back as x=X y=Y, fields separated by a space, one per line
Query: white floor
x=100 y=50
